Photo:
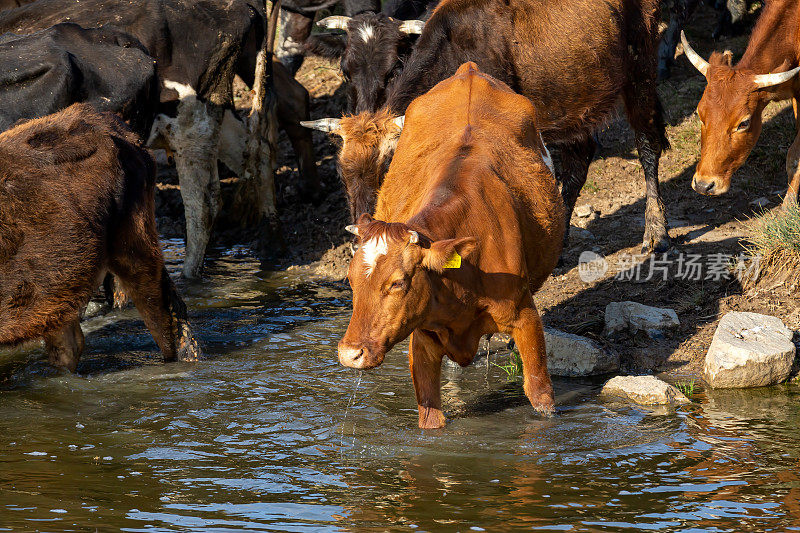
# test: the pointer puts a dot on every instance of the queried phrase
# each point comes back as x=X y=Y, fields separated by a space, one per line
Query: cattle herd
x=459 y=211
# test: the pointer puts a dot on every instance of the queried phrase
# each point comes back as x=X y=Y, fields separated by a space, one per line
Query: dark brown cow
x=736 y=95
x=468 y=226
x=575 y=59
x=77 y=201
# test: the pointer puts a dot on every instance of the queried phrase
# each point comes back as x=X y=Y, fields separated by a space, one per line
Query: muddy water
x=270 y=434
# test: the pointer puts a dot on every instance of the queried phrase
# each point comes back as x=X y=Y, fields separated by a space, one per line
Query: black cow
x=730 y=21
x=47 y=71
x=373 y=49
x=199 y=46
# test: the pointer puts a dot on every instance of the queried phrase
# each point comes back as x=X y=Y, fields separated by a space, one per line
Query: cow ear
x=448 y=253
x=364 y=219
x=327 y=45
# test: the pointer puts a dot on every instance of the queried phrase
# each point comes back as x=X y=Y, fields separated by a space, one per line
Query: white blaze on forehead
x=372 y=250
x=366 y=32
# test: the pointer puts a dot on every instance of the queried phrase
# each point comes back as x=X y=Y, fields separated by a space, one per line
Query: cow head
x=368 y=143
x=391 y=275
x=730 y=114
x=371 y=53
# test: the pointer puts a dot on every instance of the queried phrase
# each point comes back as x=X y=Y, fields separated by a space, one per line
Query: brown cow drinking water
x=77 y=201
x=469 y=225
x=736 y=95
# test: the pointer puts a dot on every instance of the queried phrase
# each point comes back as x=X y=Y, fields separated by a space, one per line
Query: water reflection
x=269 y=433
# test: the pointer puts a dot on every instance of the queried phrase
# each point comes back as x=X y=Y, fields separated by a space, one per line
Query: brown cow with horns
x=469 y=224
x=77 y=201
x=736 y=95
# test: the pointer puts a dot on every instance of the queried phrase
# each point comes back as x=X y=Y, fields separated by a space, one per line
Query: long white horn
x=698 y=62
x=769 y=80
x=335 y=22
x=352 y=229
x=328 y=125
x=400 y=121
x=412 y=27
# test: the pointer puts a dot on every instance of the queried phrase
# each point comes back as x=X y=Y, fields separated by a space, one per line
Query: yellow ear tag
x=454 y=261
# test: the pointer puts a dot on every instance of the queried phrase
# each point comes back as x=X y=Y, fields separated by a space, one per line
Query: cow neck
x=775 y=38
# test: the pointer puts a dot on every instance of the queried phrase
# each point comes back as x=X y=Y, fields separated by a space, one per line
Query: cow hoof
x=431 y=418
x=188 y=349
x=656 y=245
x=545 y=405
x=789 y=203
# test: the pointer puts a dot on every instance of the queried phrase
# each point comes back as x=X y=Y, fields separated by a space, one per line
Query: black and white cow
x=297 y=18
x=199 y=47
x=47 y=71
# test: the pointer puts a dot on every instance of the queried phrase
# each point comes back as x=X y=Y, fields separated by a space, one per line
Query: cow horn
x=335 y=22
x=768 y=80
x=400 y=121
x=352 y=228
x=414 y=239
x=328 y=125
x=412 y=27
x=698 y=62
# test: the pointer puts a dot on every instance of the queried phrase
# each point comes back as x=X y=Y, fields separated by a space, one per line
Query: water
x=269 y=433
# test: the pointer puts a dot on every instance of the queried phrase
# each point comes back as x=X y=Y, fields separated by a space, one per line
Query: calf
x=575 y=60
x=736 y=95
x=372 y=51
x=469 y=224
x=77 y=201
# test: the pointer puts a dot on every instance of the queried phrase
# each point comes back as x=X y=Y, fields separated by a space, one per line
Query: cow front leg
x=528 y=335
x=425 y=359
x=65 y=347
x=196 y=138
x=679 y=13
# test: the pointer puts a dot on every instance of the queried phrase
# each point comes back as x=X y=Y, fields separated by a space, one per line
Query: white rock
x=572 y=355
x=584 y=210
x=645 y=390
x=749 y=350
x=635 y=317
x=760 y=202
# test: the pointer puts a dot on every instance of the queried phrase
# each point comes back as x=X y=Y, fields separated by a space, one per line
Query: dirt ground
x=614 y=200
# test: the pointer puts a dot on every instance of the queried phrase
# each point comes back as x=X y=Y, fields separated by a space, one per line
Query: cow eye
x=398 y=285
x=743 y=125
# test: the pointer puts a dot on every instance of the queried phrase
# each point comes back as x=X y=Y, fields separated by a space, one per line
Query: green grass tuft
x=513 y=367
x=774 y=237
x=686 y=387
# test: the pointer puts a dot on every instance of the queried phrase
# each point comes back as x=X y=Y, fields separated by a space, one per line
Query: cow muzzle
x=710 y=185
x=361 y=357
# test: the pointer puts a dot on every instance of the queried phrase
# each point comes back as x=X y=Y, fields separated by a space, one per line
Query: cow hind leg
x=646 y=117
x=196 y=140
x=793 y=173
x=680 y=11
x=425 y=359
x=65 y=347
x=295 y=29
x=575 y=158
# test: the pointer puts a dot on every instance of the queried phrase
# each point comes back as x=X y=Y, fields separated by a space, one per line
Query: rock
x=572 y=355
x=645 y=390
x=749 y=350
x=760 y=202
x=580 y=234
x=635 y=317
x=584 y=210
